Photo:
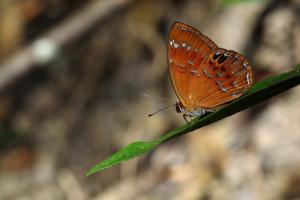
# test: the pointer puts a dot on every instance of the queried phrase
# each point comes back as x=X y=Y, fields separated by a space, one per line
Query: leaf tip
x=91 y=171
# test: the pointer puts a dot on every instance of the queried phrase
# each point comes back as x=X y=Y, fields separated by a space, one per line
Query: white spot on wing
x=180 y=65
x=236 y=94
x=234 y=84
x=206 y=73
x=190 y=62
x=248 y=78
x=221 y=86
x=219 y=74
x=176 y=45
x=193 y=71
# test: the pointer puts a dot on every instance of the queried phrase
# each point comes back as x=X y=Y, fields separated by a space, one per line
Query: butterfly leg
x=186 y=117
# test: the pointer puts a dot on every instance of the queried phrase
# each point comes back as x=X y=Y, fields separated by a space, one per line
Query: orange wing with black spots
x=202 y=74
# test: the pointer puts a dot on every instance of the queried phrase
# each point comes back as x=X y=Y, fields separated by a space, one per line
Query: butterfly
x=204 y=76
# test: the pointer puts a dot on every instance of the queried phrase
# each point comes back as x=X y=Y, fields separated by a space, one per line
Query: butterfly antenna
x=155 y=97
x=150 y=115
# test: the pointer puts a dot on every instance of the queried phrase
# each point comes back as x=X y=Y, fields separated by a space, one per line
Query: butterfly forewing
x=187 y=49
x=203 y=75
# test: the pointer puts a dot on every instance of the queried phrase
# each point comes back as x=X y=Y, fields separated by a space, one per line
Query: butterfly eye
x=222 y=58
x=178 y=107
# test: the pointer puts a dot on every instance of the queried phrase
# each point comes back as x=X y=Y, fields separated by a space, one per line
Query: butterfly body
x=203 y=75
x=179 y=107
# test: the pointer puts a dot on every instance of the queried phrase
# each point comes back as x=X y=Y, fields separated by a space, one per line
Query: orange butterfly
x=203 y=75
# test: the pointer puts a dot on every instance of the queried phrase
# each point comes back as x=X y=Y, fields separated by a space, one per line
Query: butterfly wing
x=226 y=76
x=187 y=49
x=203 y=75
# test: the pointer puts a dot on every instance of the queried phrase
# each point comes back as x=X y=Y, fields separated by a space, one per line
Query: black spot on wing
x=222 y=58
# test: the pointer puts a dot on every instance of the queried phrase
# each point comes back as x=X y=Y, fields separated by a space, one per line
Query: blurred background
x=71 y=77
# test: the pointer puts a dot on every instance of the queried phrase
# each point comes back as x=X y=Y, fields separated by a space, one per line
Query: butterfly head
x=179 y=107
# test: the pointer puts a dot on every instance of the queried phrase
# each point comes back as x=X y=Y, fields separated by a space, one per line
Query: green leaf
x=130 y=151
x=259 y=92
